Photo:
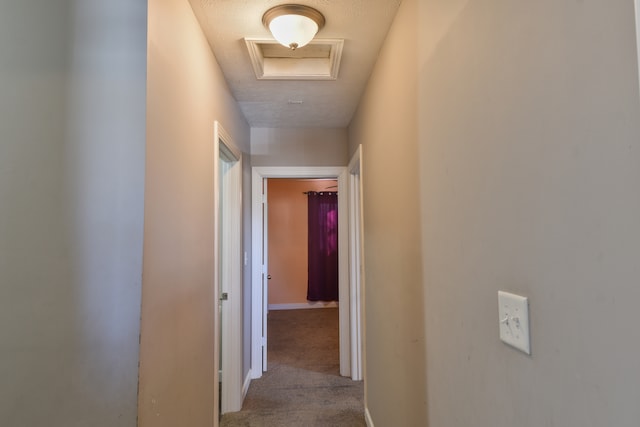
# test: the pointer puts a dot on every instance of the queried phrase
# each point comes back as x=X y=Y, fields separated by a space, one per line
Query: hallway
x=500 y=150
x=302 y=386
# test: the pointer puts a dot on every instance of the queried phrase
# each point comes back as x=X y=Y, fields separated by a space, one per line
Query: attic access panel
x=319 y=60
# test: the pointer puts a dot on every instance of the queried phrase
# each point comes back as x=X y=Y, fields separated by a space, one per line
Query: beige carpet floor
x=302 y=386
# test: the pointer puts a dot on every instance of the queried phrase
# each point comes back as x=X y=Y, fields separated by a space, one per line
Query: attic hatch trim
x=295 y=68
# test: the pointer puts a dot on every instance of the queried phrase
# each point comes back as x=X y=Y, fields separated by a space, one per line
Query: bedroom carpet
x=302 y=386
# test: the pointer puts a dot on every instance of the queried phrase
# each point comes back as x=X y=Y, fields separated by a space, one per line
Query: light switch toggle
x=514 y=320
x=513 y=312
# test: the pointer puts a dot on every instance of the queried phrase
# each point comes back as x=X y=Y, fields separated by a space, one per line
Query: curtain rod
x=323 y=191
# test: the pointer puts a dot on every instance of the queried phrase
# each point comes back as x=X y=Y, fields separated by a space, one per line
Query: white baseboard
x=304 y=305
x=245 y=386
x=367 y=417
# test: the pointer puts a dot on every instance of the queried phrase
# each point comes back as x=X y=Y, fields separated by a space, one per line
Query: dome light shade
x=293 y=25
x=293 y=31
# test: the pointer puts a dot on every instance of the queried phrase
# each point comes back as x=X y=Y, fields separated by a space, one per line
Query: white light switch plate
x=513 y=312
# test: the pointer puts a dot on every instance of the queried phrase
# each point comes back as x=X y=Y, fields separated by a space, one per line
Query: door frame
x=637 y=10
x=228 y=270
x=356 y=265
x=258 y=340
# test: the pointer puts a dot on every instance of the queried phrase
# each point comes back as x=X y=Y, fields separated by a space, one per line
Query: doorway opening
x=301 y=222
x=260 y=259
x=291 y=286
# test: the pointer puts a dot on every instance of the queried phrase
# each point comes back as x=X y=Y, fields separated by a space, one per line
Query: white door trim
x=257 y=296
x=356 y=270
x=228 y=271
x=637 y=7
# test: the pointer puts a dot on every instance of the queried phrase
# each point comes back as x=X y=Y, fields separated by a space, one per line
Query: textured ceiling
x=363 y=24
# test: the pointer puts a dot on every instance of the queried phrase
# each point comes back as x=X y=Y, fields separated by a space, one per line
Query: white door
x=228 y=278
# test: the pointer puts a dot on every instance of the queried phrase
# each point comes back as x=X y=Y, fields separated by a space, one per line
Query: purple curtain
x=323 y=246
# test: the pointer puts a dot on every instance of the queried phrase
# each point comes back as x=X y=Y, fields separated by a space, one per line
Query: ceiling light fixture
x=293 y=25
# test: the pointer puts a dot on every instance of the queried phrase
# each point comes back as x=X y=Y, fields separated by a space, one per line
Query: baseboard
x=367 y=417
x=304 y=305
x=245 y=386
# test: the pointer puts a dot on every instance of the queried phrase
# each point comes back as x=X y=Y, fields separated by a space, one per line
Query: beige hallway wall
x=530 y=154
x=299 y=147
x=72 y=137
x=524 y=119
x=386 y=126
x=186 y=93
